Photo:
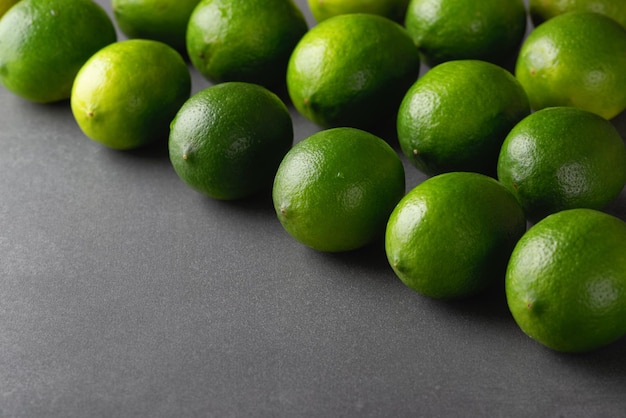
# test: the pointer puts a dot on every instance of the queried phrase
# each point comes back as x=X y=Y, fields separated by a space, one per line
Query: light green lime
x=575 y=59
x=126 y=94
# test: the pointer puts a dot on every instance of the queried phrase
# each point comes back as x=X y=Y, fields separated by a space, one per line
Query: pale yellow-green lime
x=392 y=9
x=566 y=280
x=43 y=44
x=244 y=40
x=451 y=236
x=563 y=158
x=335 y=189
x=228 y=140
x=575 y=59
x=352 y=70
x=456 y=116
x=445 y=30
x=126 y=94
x=161 y=20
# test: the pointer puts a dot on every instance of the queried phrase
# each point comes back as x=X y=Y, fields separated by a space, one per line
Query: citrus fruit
x=456 y=116
x=126 y=94
x=562 y=158
x=161 y=20
x=451 y=235
x=445 y=30
x=575 y=59
x=223 y=146
x=244 y=40
x=335 y=189
x=566 y=280
x=43 y=44
x=6 y=5
x=392 y=9
x=542 y=10
x=352 y=70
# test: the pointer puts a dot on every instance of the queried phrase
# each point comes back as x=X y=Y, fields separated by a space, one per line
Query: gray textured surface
x=124 y=293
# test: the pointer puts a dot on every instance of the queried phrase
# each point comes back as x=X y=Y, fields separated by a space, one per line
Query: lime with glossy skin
x=43 y=44
x=542 y=10
x=244 y=40
x=352 y=70
x=161 y=20
x=228 y=140
x=335 y=189
x=456 y=116
x=445 y=30
x=566 y=280
x=126 y=94
x=563 y=158
x=575 y=59
x=451 y=236
x=392 y=9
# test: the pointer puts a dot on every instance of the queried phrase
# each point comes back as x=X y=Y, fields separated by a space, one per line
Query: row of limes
x=501 y=149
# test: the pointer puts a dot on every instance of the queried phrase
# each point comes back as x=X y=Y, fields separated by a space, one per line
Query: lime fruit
x=352 y=70
x=160 y=20
x=456 y=116
x=575 y=59
x=563 y=158
x=542 y=10
x=566 y=280
x=445 y=30
x=451 y=236
x=43 y=44
x=244 y=40
x=6 y=5
x=126 y=94
x=228 y=139
x=392 y=9
x=335 y=189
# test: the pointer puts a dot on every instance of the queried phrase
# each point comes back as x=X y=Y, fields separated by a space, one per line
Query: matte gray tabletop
x=125 y=293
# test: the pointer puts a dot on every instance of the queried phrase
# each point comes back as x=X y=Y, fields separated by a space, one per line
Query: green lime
x=392 y=9
x=43 y=44
x=352 y=70
x=228 y=139
x=335 y=189
x=542 y=10
x=451 y=236
x=126 y=94
x=244 y=40
x=456 y=116
x=566 y=280
x=445 y=30
x=6 y=5
x=563 y=158
x=160 y=20
x=575 y=59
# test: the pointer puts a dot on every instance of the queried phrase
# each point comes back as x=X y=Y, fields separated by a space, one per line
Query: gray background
x=125 y=293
